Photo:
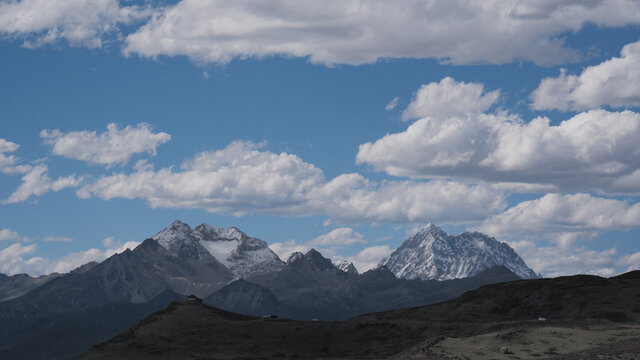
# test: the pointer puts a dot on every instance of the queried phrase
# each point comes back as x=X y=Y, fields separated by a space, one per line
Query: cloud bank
x=80 y=22
x=112 y=147
x=591 y=151
x=615 y=82
x=242 y=178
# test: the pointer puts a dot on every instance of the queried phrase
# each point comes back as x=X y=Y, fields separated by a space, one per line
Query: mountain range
x=230 y=270
x=574 y=317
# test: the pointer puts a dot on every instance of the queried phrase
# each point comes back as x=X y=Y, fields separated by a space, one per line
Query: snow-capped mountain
x=180 y=240
x=433 y=254
x=242 y=254
x=347 y=267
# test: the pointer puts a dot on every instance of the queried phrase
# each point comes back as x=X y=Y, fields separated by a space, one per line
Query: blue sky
x=343 y=127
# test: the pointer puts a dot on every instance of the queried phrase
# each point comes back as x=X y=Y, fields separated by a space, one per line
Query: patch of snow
x=221 y=250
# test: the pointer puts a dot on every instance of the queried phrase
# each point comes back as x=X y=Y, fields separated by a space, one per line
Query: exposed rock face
x=347 y=267
x=242 y=254
x=435 y=255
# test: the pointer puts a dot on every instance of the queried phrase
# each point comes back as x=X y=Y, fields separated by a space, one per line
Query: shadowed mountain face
x=310 y=286
x=129 y=277
x=19 y=284
x=64 y=336
x=565 y=298
x=197 y=331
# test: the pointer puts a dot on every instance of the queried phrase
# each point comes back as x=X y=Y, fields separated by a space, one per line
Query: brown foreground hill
x=575 y=317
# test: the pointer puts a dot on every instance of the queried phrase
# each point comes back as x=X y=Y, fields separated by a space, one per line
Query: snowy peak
x=179 y=240
x=347 y=266
x=295 y=256
x=431 y=253
x=173 y=234
x=242 y=254
x=211 y=233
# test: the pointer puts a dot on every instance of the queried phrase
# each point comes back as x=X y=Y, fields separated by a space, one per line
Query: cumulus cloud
x=368 y=258
x=552 y=261
x=80 y=22
x=329 y=244
x=7 y=234
x=592 y=151
x=450 y=98
x=15 y=259
x=356 y=31
x=340 y=237
x=286 y=248
x=112 y=147
x=6 y=161
x=564 y=219
x=36 y=182
x=241 y=178
x=351 y=198
x=615 y=82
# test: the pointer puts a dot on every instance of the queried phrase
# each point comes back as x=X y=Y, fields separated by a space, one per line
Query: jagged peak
x=318 y=261
x=431 y=254
x=430 y=228
x=313 y=252
x=222 y=233
x=179 y=224
x=295 y=256
x=347 y=266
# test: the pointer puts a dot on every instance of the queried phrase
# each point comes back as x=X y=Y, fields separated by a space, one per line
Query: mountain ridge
x=433 y=254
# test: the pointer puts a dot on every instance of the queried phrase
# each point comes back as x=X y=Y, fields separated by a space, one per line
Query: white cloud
x=286 y=248
x=112 y=147
x=564 y=219
x=37 y=182
x=357 y=31
x=73 y=260
x=615 y=82
x=553 y=261
x=351 y=198
x=338 y=237
x=6 y=161
x=109 y=241
x=392 y=104
x=449 y=98
x=7 y=234
x=51 y=238
x=241 y=179
x=14 y=259
x=591 y=151
x=630 y=261
x=329 y=244
x=368 y=258
x=80 y=22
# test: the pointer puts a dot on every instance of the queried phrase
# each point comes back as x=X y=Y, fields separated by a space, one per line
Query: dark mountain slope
x=197 y=331
x=64 y=336
x=568 y=298
x=19 y=284
x=310 y=286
